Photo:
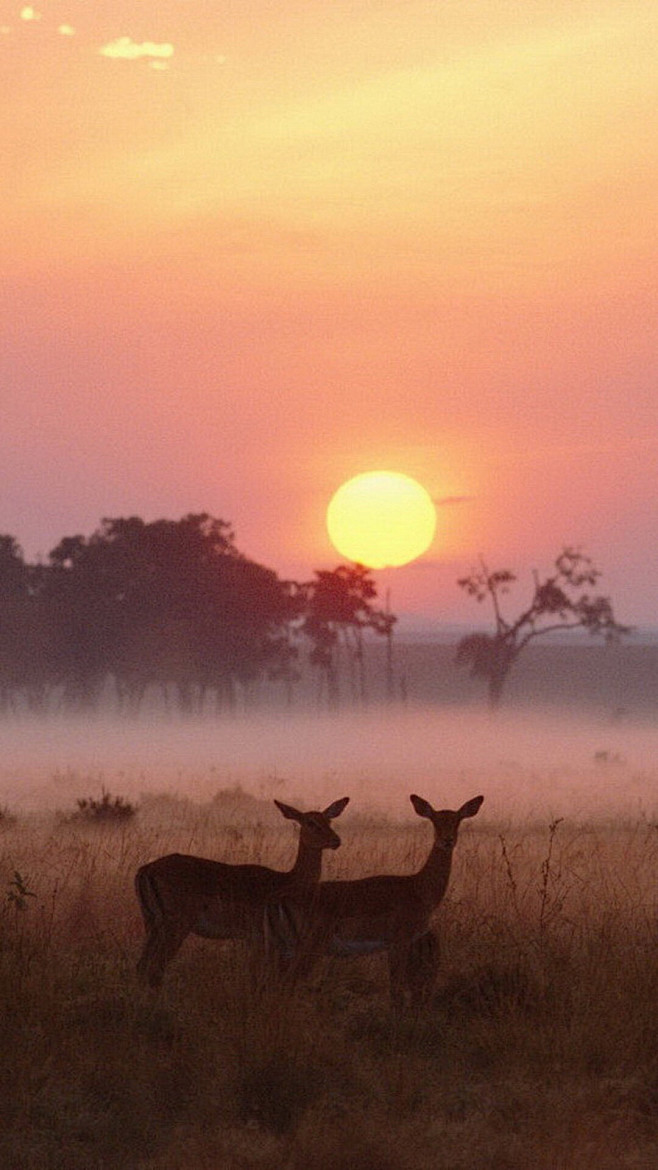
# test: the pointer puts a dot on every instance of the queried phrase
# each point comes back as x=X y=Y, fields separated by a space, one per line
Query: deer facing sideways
x=181 y=894
x=386 y=912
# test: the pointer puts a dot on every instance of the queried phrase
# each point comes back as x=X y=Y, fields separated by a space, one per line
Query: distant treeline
x=172 y=608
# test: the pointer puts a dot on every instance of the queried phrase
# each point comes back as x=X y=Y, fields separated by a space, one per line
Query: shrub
x=107 y=810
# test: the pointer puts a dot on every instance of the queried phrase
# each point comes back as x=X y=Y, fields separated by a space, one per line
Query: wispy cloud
x=125 y=49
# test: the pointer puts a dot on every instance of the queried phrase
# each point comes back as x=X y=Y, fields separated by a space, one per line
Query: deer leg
x=398 y=963
x=412 y=970
x=291 y=945
x=160 y=947
x=422 y=964
x=299 y=966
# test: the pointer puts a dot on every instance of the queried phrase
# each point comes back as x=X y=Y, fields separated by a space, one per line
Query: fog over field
x=526 y=765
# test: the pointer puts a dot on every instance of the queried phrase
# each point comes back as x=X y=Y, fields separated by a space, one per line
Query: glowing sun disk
x=381 y=518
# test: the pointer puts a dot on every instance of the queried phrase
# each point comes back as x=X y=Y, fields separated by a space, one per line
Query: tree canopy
x=173 y=605
x=338 y=609
x=165 y=603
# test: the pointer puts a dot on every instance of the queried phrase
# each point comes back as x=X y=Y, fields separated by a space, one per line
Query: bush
x=107 y=810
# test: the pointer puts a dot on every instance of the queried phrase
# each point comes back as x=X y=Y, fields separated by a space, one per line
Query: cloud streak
x=125 y=49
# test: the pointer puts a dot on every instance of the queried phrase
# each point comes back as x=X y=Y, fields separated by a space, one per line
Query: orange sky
x=250 y=250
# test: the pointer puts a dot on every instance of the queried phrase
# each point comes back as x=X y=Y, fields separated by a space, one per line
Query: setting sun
x=381 y=519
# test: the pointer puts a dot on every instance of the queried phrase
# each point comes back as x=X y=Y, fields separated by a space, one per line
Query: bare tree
x=560 y=601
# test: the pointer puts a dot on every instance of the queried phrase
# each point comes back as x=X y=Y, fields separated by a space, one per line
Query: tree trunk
x=495 y=689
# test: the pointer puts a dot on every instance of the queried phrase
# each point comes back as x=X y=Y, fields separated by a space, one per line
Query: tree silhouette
x=14 y=600
x=26 y=650
x=284 y=667
x=560 y=601
x=171 y=604
x=338 y=609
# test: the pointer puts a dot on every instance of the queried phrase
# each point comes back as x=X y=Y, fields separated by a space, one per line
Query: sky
x=251 y=250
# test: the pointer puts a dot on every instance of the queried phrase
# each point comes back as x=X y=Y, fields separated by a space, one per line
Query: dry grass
x=540 y=1048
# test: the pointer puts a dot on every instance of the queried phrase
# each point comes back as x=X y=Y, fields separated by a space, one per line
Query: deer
x=385 y=912
x=181 y=894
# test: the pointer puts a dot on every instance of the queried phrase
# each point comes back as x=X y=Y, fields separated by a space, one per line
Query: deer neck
x=308 y=866
x=433 y=877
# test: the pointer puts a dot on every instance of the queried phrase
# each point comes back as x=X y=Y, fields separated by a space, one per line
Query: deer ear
x=471 y=807
x=290 y=813
x=334 y=810
x=422 y=806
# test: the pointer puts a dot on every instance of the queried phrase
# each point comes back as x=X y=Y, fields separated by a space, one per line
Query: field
x=539 y=1049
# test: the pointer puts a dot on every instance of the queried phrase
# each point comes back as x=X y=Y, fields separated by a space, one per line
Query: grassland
x=539 y=1050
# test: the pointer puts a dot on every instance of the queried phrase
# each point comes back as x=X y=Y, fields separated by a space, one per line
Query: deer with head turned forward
x=386 y=912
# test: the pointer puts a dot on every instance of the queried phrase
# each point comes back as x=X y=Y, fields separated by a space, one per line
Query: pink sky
x=248 y=251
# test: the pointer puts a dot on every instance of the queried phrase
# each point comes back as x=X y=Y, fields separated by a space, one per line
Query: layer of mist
x=526 y=765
